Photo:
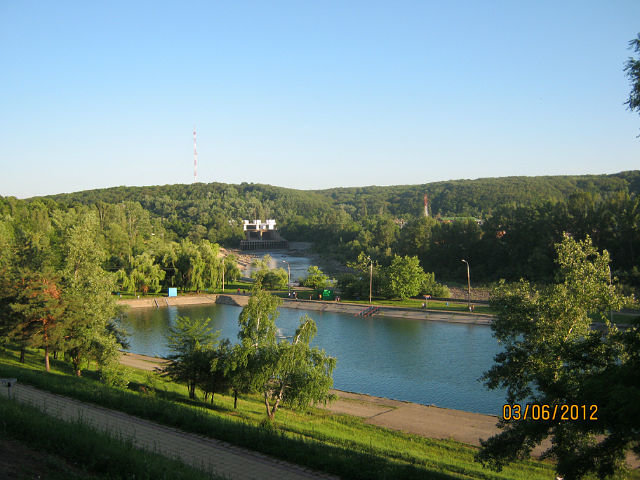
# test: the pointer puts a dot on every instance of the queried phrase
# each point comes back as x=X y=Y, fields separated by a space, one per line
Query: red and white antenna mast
x=195 y=157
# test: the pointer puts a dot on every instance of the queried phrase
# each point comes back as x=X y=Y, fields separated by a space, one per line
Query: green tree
x=210 y=254
x=190 y=267
x=192 y=343
x=231 y=270
x=294 y=373
x=275 y=279
x=632 y=68
x=218 y=378
x=260 y=267
x=86 y=291
x=315 y=278
x=39 y=305
x=144 y=275
x=433 y=288
x=405 y=277
x=284 y=373
x=267 y=277
x=549 y=352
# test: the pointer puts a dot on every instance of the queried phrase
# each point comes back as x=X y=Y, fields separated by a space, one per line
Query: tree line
x=54 y=292
x=515 y=223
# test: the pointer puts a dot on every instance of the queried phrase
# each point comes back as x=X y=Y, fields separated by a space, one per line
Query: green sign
x=327 y=294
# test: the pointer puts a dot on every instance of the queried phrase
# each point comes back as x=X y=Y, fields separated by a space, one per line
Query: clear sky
x=311 y=94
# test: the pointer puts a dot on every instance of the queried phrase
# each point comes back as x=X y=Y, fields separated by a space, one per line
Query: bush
x=315 y=278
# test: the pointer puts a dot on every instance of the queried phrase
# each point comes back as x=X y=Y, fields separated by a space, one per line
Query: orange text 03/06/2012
x=535 y=411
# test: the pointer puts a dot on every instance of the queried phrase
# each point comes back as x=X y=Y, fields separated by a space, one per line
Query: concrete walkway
x=203 y=453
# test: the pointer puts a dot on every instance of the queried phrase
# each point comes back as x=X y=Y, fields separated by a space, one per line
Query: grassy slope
x=338 y=444
x=76 y=451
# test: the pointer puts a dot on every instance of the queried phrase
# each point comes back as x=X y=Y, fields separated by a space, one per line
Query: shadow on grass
x=354 y=461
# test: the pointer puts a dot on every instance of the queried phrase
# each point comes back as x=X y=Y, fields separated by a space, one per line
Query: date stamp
x=535 y=411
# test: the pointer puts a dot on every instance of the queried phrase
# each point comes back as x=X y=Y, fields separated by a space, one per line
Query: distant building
x=261 y=235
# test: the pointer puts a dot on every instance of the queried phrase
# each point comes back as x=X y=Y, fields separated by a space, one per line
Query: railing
x=367 y=312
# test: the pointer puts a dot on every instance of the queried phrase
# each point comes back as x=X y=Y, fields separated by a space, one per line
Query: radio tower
x=195 y=158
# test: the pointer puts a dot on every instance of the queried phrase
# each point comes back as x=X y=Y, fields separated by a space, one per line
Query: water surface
x=419 y=361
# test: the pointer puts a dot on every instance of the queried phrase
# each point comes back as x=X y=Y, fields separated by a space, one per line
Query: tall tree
x=39 y=305
x=86 y=292
x=405 y=277
x=294 y=373
x=192 y=342
x=549 y=348
x=144 y=275
x=315 y=278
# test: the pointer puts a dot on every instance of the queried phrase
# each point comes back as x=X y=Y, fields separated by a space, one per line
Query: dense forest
x=505 y=227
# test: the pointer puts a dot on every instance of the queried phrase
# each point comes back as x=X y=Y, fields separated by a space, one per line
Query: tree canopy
x=632 y=69
x=553 y=357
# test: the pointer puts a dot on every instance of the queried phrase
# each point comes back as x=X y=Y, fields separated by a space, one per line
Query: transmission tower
x=195 y=157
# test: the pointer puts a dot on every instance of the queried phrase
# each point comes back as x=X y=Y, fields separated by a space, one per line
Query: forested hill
x=477 y=198
x=523 y=218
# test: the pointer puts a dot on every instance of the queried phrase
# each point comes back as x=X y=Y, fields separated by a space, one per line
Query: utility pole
x=288 y=276
x=468 y=284
x=223 y=269
x=370 y=277
x=195 y=158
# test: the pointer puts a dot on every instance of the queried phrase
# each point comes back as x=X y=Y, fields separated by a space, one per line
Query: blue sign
x=173 y=292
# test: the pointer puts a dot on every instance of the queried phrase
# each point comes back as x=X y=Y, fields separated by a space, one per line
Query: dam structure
x=261 y=235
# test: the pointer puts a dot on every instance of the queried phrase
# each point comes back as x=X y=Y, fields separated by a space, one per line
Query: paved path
x=204 y=453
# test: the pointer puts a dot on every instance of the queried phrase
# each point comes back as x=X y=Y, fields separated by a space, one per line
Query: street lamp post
x=223 y=269
x=468 y=284
x=288 y=276
x=370 y=277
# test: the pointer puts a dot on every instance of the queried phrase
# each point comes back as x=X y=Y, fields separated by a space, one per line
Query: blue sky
x=312 y=94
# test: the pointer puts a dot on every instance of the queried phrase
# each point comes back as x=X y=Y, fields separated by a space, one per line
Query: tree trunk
x=76 y=365
x=46 y=359
x=266 y=404
x=235 y=399
x=22 y=350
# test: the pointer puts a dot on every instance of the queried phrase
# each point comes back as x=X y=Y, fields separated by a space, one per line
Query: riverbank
x=312 y=305
x=424 y=420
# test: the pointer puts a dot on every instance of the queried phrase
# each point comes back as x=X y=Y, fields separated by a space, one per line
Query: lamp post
x=223 y=269
x=288 y=276
x=468 y=284
x=370 y=277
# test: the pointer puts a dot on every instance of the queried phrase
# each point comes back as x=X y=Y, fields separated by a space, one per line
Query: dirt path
x=201 y=452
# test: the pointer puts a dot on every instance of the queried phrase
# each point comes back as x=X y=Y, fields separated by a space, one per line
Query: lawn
x=318 y=439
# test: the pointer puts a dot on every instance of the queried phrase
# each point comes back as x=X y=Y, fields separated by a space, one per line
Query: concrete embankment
x=312 y=305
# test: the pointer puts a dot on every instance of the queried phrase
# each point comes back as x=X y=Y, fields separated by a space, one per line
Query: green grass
x=233 y=287
x=338 y=444
x=432 y=305
x=78 y=451
x=229 y=288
